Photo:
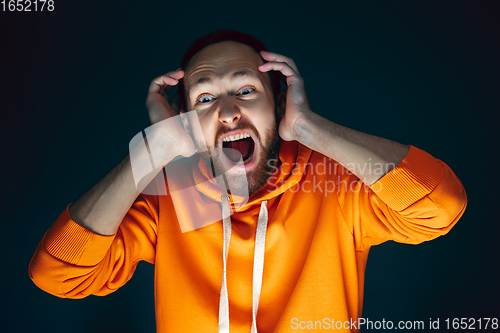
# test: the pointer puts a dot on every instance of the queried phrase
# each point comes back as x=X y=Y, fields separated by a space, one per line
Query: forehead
x=222 y=60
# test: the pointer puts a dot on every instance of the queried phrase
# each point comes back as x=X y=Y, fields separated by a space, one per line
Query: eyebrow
x=236 y=74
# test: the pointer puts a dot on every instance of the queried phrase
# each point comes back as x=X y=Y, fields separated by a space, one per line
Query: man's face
x=235 y=106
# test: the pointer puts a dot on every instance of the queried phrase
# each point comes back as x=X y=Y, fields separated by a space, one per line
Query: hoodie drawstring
x=258 y=264
x=258 y=261
x=224 y=301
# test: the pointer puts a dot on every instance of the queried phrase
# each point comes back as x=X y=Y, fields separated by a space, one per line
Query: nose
x=229 y=113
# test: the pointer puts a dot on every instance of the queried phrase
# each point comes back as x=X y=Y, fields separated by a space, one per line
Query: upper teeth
x=236 y=137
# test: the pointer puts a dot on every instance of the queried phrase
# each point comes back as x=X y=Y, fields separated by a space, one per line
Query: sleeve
x=419 y=200
x=71 y=261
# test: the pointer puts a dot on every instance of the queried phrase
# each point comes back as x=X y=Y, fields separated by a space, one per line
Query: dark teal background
x=73 y=83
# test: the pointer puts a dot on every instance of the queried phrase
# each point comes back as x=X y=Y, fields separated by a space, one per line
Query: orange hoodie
x=322 y=221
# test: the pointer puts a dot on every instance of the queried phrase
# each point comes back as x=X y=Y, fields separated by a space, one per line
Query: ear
x=185 y=121
x=175 y=102
x=281 y=103
x=176 y=105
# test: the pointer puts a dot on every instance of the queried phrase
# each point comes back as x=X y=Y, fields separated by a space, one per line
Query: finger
x=177 y=74
x=291 y=75
x=165 y=81
x=270 y=56
x=161 y=84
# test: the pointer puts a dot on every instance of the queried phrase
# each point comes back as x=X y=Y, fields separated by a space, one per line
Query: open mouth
x=240 y=146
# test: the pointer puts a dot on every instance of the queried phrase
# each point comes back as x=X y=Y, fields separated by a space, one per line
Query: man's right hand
x=101 y=209
x=166 y=135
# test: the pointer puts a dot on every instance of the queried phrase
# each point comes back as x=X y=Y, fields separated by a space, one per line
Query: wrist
x=162 y=148
x=303 y=130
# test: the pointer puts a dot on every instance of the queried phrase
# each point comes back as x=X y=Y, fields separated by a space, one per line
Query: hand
x=158 y=107
x=167 y=134
x=296 y=99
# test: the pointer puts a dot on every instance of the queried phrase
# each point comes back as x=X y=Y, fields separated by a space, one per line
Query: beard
x=251 y=181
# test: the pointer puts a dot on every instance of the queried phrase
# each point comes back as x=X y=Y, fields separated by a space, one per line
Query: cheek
x=263 y=116
x=206 y=133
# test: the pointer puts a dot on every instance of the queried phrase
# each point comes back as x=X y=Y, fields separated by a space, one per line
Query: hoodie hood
x=293 y=158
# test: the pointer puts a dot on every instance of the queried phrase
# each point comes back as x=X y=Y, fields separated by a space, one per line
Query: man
x=293 y=253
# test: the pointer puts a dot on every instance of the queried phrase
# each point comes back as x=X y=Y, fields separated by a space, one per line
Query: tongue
x=243 y=148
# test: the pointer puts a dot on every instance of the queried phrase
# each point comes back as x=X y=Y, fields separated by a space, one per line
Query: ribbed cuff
x=412 y=179
x=70 y=242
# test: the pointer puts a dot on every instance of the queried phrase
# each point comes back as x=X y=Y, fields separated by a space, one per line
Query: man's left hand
x=296 y=99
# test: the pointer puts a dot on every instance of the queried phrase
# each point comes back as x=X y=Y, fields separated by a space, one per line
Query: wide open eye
x=246 y=91
x=203 y=99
